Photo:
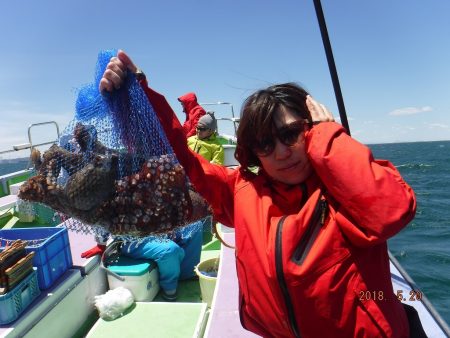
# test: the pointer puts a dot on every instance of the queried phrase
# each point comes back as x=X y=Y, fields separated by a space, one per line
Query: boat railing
x=425 y=301
x=233 y=118
x=30 y=145
x=17 y=149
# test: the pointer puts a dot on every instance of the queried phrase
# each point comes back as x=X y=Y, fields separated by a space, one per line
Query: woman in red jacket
x=311 y=226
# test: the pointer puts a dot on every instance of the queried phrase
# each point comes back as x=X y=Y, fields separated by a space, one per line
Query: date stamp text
x=401 y=295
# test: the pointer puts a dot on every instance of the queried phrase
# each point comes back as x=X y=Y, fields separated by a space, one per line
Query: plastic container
x=52 y=256
x=25 y=211
x=139 y=276
x=14 y=302
x=207 y=276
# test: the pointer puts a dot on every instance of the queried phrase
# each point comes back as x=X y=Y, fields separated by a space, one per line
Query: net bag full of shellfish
x=114 y=169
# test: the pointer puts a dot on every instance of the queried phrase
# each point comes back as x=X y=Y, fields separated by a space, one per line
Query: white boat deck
x=224 y=317
x=429 y=322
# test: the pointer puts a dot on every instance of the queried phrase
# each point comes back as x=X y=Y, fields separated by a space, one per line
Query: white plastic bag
x=113 y=303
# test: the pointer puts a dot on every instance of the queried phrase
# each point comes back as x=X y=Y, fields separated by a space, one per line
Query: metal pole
x=331 y=64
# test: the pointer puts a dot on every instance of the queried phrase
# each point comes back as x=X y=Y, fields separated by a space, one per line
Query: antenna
x=331 y=64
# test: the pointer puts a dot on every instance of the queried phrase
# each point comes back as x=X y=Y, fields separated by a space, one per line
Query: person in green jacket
x=206 y=142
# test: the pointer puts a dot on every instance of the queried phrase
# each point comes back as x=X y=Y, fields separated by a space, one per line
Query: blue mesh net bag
x=114 y=169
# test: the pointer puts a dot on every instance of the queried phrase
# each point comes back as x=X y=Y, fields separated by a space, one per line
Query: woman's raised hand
x=116 y=71
x=319 y=113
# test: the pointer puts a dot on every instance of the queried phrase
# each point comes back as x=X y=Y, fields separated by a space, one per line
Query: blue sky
x=392 y=57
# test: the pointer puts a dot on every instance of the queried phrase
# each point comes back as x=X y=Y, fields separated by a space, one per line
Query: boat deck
x=187 y=317
x=433 y=325
x=224 y=317
x=155 y=319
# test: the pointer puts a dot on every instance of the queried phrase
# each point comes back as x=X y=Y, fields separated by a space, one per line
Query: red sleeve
x=370 y=193
x=192 y=119
x=215 y=183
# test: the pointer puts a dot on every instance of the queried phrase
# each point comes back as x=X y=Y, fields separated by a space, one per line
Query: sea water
x=13 y=165
x=423 y=247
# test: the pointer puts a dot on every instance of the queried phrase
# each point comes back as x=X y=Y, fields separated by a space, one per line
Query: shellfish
x=155 y=199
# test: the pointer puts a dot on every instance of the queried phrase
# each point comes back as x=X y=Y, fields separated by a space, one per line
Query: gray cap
x=208 y=120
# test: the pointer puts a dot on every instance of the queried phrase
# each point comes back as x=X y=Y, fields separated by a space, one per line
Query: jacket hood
x=208 y=120
x=188 y=101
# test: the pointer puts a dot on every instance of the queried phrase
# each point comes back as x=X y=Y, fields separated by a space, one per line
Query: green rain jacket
x=210 y=148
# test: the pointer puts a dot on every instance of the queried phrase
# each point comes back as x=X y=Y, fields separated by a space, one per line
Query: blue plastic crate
x=52 y=256
x=14 y=302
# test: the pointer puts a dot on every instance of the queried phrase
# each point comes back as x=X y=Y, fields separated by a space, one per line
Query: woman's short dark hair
x=257 y=118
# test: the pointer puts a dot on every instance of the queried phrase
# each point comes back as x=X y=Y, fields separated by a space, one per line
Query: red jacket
x=311 y=258
x=193 y=112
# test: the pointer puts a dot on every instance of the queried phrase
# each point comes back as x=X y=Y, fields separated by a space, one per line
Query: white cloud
x=357 y=132
x=438 y=126
x=11 y=103
x=410 y=111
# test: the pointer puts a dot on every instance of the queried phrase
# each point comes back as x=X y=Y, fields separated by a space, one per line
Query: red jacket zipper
x=299 y=255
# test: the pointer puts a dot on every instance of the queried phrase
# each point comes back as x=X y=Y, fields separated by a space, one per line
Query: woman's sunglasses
x=202 y=128
x=288 y=135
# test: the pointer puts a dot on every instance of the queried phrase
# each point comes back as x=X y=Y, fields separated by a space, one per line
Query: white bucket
x=25 y=211
x=207 y=283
